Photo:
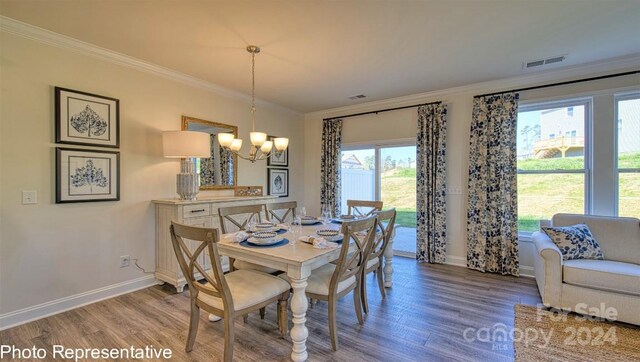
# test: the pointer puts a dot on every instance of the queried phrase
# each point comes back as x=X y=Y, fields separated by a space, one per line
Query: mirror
x=220 y=171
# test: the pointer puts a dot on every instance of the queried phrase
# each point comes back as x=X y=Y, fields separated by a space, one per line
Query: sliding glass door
x=387 y=173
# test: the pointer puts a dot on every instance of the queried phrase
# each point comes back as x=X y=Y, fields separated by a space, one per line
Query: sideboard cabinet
x=203 y=213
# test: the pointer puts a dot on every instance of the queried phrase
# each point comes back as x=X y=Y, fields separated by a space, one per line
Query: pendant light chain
x=253 y=91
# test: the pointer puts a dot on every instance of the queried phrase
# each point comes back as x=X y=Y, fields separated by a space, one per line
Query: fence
x=357 y=185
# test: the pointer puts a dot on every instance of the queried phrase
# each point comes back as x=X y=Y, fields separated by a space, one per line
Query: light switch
x=29 y=197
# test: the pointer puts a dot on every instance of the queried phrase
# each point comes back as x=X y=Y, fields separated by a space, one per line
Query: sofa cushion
x=613 y=276
x=574 y=242
x=619 y=237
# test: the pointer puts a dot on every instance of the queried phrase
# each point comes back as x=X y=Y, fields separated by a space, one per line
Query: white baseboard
x=525 y=270
x=39 y=311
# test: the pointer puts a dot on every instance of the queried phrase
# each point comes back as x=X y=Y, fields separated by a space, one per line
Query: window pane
x=358 y=176
x=629 y=194
x=551 y=139
x=398 y=190
x=629 y=133
x=542 y=195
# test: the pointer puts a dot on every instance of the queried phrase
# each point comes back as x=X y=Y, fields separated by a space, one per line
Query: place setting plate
x=267 y=227
x=310 y=220
x=264 y=239
x=343 y=218
x=329 y=235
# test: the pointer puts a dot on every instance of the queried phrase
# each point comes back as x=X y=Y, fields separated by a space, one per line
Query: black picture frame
x=273 y=160
x=78 y=112
x=272 y=188
x=107 y=182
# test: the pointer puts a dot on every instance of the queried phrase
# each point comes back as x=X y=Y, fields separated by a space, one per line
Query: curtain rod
x=382 y=110
x=561 y=83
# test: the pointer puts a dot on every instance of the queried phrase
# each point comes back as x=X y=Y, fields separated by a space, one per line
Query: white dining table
x=298 y=260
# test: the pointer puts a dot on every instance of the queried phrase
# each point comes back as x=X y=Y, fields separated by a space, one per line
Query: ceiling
x=316 y=54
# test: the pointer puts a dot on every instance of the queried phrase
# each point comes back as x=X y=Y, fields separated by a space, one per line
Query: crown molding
x=607 y=66
x=48 y=37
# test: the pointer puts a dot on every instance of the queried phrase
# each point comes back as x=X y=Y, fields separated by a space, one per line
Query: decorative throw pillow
x=575 y=241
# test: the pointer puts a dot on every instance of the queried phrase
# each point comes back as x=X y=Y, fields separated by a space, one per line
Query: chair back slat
x=363 y=208
x=238 y=216
x=384 y=237
x=289 y=207
x=350 y=263
x=190 y=260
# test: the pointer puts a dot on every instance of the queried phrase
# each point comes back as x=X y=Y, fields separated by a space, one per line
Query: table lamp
x=186 y=145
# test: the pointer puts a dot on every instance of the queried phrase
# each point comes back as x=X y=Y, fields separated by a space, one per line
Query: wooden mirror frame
x=186 y=120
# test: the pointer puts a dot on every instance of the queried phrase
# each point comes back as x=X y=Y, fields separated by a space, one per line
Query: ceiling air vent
x=359 y=96
x=541 y=62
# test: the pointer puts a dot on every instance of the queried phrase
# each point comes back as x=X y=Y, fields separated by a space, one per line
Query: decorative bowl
x=327 y=233
x=264 y=235
x=264 y=226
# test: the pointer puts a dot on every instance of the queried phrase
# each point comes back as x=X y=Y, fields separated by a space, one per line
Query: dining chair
x=333 y=281
x=363 y=208
x=289 y=206
x=376 y=252
x=240 y=216
x=225 y=295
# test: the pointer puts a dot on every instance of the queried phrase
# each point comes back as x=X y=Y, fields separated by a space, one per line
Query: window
x=551 y=170
x=386 y=173
x=628 y=154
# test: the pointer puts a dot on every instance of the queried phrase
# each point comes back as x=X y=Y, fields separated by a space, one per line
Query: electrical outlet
x=454 y=190
x=29 y=197
x=125 y=260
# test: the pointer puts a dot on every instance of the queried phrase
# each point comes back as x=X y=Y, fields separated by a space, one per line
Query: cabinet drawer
x=198 y=210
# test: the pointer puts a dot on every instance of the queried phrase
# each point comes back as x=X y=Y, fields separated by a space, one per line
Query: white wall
x=49 y=251
x=402 y=124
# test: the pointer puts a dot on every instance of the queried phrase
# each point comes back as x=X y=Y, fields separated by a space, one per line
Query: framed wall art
x=280 y=160
x=278 y=182
x=86 y=119
x=87 y=175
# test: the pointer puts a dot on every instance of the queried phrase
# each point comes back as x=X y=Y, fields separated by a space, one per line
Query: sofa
x=587 y=286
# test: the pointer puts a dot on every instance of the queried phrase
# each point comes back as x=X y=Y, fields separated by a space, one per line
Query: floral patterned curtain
x=330 y=165
x=492 y=212
x=208 y=166
x=431 y=183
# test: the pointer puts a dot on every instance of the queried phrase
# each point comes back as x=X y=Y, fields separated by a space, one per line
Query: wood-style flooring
x=423 y=318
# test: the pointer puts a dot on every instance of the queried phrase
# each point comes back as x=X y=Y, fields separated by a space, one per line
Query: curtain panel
x=330 y=165
x=492 y=210
x=431 y=183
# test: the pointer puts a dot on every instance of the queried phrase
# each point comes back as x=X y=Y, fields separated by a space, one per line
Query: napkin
x=282 y=226
x=240 y=236
x=322 y=243
x=318 y=243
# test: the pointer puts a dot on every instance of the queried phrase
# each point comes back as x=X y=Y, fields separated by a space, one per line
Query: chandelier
x=261 y=149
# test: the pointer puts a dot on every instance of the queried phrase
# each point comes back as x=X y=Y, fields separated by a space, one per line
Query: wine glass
x=295 y=227
x=326 y=215
x=251 y=223
x=303 y=211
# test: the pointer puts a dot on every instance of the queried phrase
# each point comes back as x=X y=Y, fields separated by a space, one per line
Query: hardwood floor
x=423 y=318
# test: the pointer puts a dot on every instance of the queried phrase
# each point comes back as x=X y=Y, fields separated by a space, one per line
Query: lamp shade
x=186 y=144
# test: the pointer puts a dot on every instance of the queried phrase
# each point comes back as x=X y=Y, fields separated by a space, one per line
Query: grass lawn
x=539 y=195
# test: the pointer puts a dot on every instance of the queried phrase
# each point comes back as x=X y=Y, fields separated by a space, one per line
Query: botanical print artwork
x=89 y=123
x=89 y=179
x=278 y=182
x=492 y=209
x=87 y=175
x=280 y=159
x=86 y=119
x=431 y=183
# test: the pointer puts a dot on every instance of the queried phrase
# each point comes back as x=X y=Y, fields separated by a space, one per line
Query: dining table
x=297 y=259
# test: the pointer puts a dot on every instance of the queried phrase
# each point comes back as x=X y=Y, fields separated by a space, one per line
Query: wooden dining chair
x=376 y=253
x=333 y=281
x=225 y=295
x=286 y=209
x=239 y=216
x=362 y=208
